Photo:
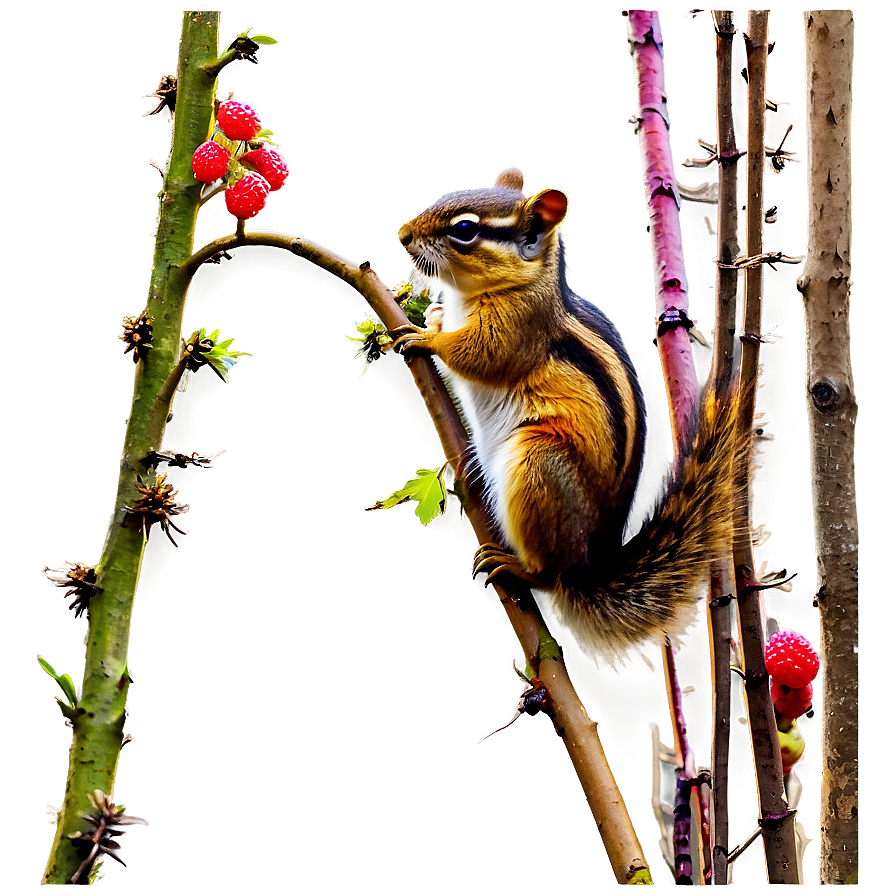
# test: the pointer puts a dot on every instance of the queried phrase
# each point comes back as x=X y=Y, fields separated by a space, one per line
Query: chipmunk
x=557 y=423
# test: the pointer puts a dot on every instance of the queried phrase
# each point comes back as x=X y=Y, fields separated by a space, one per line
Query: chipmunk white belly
x=492 y=413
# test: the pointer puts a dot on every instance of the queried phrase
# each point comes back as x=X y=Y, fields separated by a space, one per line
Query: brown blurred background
x=311 y=681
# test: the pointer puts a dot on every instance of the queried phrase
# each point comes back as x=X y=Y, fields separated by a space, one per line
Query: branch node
x=773 y=823
x=672 y=318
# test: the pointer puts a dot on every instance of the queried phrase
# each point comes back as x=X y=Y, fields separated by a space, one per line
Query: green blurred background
x=311 y=681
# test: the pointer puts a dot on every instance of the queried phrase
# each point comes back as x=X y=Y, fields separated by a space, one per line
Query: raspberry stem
x=97 y=731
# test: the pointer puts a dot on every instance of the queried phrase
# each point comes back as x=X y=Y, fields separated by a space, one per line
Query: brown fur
x=558 y=425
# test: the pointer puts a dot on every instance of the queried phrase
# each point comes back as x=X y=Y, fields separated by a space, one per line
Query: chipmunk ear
x=510 y=179
x=550 y=206
x=543 y=212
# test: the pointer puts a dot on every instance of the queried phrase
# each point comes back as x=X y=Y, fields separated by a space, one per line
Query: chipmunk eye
x=465 y=231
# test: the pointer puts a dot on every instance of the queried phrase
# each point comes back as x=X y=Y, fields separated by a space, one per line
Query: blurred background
x=311 y=680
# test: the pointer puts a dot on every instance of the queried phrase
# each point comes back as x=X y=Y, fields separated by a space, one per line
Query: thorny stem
x=97 y=731
x=722 y=377
x=673 y=342
x=543 y=655
x=782 y=860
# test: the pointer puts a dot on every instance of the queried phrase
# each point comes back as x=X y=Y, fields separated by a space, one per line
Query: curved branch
x=542 y=652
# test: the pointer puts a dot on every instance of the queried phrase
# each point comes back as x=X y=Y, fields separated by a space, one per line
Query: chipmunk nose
x=405 y=235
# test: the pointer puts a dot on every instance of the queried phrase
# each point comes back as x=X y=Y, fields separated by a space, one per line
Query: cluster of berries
x=792 y=663
x=252 y=171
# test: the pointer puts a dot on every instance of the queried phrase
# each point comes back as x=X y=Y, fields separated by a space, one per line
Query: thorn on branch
x=80 y=581
x=174 y=459
x=218 y=257
x=769 y=258
x=137 y=335
x=757 y=339
x=779 y=156
x=763 y=581
x=157 y=505
x=166 y=93
x=104 y=822
x=532 y=701
x=245 y=48
x=739 y=850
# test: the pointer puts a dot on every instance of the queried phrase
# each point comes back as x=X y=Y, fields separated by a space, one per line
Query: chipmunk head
x=489 y=239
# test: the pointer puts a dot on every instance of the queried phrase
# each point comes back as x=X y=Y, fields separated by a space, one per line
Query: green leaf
x=428 y=490
x=64 y=681
x=263 y=39
x=264 y=132
x=412 y=303
x=46 y=666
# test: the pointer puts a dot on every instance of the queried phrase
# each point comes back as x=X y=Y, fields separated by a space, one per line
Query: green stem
x=213 y=69
x=161 y=408
x=97 y=736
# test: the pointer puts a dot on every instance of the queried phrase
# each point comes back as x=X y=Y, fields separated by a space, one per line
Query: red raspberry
x=246 y=198
x=791 y=702
x=210 y=161
x=269 y=164
x=238 y=121
x=790 y=659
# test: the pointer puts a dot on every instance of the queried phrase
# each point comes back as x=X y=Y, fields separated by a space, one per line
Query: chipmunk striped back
x=555 y=410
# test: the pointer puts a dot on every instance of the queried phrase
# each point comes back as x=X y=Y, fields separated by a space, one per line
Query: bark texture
x=722 y=376
x=832 y=416
x=776 y=817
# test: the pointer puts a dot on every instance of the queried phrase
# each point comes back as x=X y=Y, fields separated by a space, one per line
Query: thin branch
x=832 y=410
x=161 y=408
x=782 y=858
x=673 y=342
x=740 y=850
x=543 y=654
x=722 y=376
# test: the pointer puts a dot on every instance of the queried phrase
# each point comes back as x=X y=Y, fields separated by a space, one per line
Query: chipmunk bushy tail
x=649 y=590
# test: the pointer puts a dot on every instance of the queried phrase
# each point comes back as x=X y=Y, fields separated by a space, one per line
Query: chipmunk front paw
x=406 y=339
